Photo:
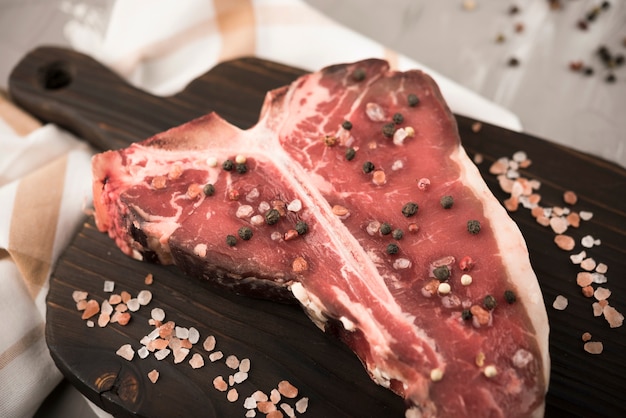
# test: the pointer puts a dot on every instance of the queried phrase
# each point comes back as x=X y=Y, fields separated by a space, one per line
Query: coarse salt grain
x=266 y=407
x=288 y=410
x=181 y=332
x=251 y=413
x=232 y=395
x=143 y=352
x=302 y=404
x=287 y=389
x=558 y=224
x=602 y=293
x=133 y=305
x=375 y=112
x=153 y=375
x=585 y=215
x=240 y=377
x=249 y=403
x=232 y=361
x=578 y=258
x=588 y=264
x=149 y=279
x=79 y=295
x=193 y=335
x=157 y=314
x=220 y=384
x=217 y=355
x=106 y=307
x=565 y=242
x=109 y=285
x=196 y=361
x=126 y=352
x=613 y=316
x=144 y=297
x=209 y=343
x=602 y=268
x=161 y=354
x=593 y=347
x=90 y=324
x=244 y=365
x=401 y=263
x=244 y=211
x=560 y=303
x=275 y=396
x=599 y=278
x=295 y=205
x=584 y=279
x=91 y=308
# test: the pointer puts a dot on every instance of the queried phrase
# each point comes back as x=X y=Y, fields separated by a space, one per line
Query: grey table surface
x=471 y=42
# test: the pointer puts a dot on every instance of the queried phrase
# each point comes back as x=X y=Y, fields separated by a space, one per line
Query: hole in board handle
x=55 y=76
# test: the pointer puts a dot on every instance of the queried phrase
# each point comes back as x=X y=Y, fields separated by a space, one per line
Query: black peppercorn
x=413 y=100
x=473 y=226
x=272 y=216
x=398 y=118
x=228 y=165
x=302 y=227
x=509 y=296
x=447 y=202
x=409 y=209
x=347 y=125
x=350 y=154
x=245 y=233
x=392 y=249
x=489 y=302
x=442 y=273
x=231 y=240
x=209 y=190
x=397 y=234
x=385 y=228
x=368 y=167
x=241 y=168
x=389 y=129
x=466 y=314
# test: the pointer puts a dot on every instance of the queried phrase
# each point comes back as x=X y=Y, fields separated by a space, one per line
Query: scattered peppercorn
x=358 y=74
x=272 y=216
x=398 y=118
x=513 y=62
x=350 y=154
x=509 y=296
x=473 y=226
x=347 y=125
x=228 y=165
x=446 y=202
x=441 y=273
x=397 y=234
x=302 y=227
x=610 y=78
x=513 y=10
x=413 y=100
x=409 y=209
x=591 y=16
x=241 y=168
x=209 y=190
x=389 y=129
x=245 y=233
x=489 y=302
x=582 y=25
x=368 y=167
x=588 y=71
x=392 y=249
x=619 y=60
x=466 y=314
x=385 y=228
x=231 y=240
x=500 y=38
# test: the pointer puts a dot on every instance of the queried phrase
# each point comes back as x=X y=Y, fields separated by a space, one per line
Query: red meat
x=356 y=198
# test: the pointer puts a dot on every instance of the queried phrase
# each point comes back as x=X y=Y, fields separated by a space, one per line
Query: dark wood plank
x=70 y=89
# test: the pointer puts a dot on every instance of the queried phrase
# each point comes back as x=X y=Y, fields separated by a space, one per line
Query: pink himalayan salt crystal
x=602 y=293
x=196 y=361
x=593 y=347
x=613 y=317
x=560 y=303
x=153 y=375
x=126 y=352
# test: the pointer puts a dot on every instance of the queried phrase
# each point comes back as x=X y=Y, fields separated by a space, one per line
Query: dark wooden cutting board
x=79 y=94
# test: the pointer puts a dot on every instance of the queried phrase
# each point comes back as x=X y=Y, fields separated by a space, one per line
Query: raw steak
x=356 y=198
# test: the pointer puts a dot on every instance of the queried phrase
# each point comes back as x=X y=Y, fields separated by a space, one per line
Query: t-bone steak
x=353 y=195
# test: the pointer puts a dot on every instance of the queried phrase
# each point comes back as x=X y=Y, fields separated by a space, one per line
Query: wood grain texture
x=76 y=92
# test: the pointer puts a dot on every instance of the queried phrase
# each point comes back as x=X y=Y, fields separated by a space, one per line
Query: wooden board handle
x=78 y=93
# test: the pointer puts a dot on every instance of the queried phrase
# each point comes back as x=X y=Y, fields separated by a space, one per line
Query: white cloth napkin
x=160 y=46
